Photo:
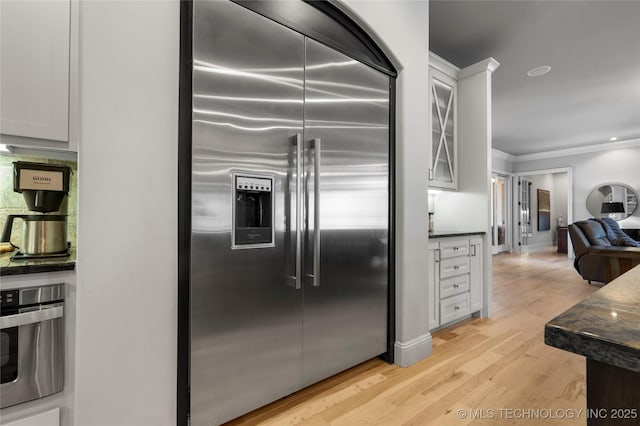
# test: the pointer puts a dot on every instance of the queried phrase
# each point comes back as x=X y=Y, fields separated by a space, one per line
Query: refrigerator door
x=346 y=245
x=246 y=312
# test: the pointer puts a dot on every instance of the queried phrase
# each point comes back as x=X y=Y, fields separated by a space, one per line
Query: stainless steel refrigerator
x=289 y=212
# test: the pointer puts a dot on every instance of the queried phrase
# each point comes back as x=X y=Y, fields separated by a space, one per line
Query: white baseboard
x=408 y=353
x=540 y=246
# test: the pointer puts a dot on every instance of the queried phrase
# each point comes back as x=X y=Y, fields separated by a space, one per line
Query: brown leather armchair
x=589 y=238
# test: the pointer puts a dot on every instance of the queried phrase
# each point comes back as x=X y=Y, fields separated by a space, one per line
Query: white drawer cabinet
x=433 y=284
x=453 y=286
x=454 y=266
x=455 y=307
x=475 y=273
x=454 y=248
x=455 y=279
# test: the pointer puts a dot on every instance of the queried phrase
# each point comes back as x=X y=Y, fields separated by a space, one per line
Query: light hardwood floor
x=495 y=366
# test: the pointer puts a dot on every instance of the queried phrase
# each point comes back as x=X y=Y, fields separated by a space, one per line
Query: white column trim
x=412 y=351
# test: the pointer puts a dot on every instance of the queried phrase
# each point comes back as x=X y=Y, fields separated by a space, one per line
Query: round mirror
x=614 y=199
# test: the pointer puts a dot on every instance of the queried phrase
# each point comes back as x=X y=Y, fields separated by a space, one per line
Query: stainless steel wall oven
x=31 y=343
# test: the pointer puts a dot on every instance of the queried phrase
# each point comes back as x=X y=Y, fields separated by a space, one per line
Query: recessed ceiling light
x=538 y=71
x=613 y=139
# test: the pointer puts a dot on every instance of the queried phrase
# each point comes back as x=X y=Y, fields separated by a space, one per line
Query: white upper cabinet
x=443 y=171
x=34 y=68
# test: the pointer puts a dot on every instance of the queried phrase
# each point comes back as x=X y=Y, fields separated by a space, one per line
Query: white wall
x=592 y=169
x=559 y=199
x=403 y=28
x=127 y=225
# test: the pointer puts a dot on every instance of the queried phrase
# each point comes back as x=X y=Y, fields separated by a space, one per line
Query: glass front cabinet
x=443 y=120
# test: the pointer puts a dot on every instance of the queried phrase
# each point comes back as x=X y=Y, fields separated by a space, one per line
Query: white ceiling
x=593 y=48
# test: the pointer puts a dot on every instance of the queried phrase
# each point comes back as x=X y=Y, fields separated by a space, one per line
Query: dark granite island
x=605 y=328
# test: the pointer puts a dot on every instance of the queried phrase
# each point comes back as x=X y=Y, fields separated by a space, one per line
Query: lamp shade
x=612 y=207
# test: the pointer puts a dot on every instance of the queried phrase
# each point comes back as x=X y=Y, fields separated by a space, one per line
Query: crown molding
x=577 y=150
x=501 y=155
x=485 y=65
x=443 y=66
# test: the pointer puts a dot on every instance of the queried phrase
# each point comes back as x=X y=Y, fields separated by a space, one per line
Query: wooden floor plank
x=480 y=366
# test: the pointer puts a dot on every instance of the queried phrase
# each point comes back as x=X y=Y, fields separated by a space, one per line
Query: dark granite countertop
x=19 y=267
x=605 y=326
x=442 y=233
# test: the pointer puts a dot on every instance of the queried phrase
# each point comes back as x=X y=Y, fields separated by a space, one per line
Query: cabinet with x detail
x=443 y=99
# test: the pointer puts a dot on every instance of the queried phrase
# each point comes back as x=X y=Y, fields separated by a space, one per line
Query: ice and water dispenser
x=253 y=211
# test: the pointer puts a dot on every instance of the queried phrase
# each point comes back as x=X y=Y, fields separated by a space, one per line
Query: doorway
x=500 y=218
x=537 y=232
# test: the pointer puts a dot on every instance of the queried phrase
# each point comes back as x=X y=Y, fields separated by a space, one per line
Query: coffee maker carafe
x=44 y=188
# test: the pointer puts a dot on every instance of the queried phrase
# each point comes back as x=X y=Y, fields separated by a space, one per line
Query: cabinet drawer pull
x=457 y=308
x=456 y=286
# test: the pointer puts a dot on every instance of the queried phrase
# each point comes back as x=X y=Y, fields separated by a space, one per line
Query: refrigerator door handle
x=316 y=145
x=299 y=171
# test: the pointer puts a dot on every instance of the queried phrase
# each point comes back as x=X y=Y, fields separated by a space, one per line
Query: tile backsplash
x=13 y=203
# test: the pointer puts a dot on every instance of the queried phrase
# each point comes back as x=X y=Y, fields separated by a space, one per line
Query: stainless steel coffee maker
x=44 y=188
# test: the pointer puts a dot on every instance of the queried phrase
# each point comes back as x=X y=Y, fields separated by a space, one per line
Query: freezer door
x=246 y=312
x=346 y=245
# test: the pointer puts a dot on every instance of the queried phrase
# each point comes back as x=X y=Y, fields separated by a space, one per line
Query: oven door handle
x=32 y=317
